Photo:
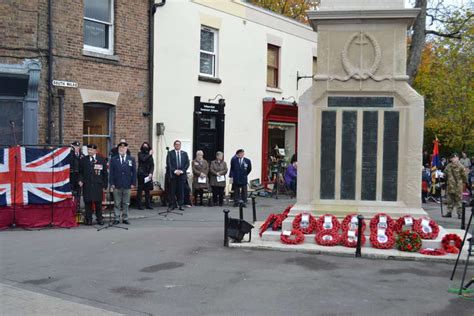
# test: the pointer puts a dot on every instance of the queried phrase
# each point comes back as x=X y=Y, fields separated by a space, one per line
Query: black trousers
x=240 y=193
x=98 y=210
x=177 y=190
x=218 y=195
x=142 y=186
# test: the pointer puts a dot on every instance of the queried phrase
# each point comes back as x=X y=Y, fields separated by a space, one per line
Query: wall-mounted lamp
x=160 y=128
x=290 y=97
x=221 y=98
x=146 y=114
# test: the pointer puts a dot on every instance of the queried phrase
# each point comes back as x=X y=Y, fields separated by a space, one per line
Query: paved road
x=177 y=266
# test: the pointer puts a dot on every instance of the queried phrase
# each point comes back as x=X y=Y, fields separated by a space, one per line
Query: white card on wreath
x=353 y=226
x=327 y=222
x=305 y=218
x=408 y=221
x=382 y=239
x=354 y=220
x=351 y=234
x=425 y=222
x=327 y=237
x=380 y=232
x=286 y=233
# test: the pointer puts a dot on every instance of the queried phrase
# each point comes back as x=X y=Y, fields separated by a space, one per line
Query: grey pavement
x=178 y=266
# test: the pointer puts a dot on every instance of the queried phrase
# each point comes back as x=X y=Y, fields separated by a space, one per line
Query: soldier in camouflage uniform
x=455 y=180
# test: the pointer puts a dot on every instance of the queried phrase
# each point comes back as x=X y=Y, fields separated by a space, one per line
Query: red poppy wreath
x=452 y=243
x=350 y=222
x=268 y=222
x=328 y=237
x=382 y=239
x=311 y=228
x=408 y=241
x=294 y=238
x=381 y=221
x=427 y=228
x=432 y=252
x=349 y=239
x=327 y=222
x=406 y=221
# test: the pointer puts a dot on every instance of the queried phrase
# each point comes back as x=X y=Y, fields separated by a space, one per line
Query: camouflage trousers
x=454 y=201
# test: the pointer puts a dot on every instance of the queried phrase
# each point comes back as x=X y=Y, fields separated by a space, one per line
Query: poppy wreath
x=307 y=230
x=328 y=237
x=385 y=245
x=452 y=243
x=351 y=242
x=432 y=252
x=281 y=217
x=346 y=222
x=398 y=227
x=374 y=222
x=408 y=241
x=426 y=235
x=299 y=238
x=320 y=223
x=271 y=219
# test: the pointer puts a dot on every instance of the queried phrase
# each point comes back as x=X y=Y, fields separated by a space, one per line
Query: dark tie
x=122 y=159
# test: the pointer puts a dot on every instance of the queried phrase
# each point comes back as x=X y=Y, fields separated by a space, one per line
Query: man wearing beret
x=93 y=179
x=123 y=177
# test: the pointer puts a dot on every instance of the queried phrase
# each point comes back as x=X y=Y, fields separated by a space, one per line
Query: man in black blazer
x=177 y=162
x=240 y=168
x=93 y=179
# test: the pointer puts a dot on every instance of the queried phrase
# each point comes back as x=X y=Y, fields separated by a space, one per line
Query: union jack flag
x=34 y=176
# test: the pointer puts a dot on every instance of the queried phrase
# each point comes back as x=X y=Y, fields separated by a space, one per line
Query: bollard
x=241 y=210
x=463 y=215
x=226 y=224
x=254 y=209
x=358 y=253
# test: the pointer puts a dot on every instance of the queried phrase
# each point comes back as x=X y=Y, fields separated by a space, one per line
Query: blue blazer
x=239 y=172
x=123 y=176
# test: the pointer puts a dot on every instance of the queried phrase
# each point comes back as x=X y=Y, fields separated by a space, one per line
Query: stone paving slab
x=17 y=301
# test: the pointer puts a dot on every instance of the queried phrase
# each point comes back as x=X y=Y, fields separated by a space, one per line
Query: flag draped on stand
x=34 y=187
x=435 y=164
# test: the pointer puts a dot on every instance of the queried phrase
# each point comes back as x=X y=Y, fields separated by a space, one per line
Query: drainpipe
x=151 y=52
x=50 y=70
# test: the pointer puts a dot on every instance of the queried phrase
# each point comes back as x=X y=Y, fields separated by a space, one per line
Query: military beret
x=76 y=143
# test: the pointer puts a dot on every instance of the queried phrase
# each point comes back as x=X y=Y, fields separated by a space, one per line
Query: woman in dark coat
x=217 y=172
x=146 y=166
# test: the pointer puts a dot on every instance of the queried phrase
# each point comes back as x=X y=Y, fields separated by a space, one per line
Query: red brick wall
x=24 y=35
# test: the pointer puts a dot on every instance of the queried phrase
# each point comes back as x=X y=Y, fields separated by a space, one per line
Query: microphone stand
x=168 y=209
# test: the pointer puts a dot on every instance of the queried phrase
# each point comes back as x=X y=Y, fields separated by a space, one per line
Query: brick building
x=100 y=72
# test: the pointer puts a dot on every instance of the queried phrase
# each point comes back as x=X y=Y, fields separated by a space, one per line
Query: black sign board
x=360 y=102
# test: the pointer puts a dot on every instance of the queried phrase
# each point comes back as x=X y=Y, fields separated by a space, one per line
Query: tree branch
x=456 y=35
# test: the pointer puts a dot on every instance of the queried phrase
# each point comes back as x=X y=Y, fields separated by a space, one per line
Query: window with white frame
x=208 y=52
x=99 y=26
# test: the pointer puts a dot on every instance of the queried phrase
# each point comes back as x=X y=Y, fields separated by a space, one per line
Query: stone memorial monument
x=361 y=123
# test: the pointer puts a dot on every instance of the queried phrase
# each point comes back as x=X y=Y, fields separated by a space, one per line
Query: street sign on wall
x=62 y=83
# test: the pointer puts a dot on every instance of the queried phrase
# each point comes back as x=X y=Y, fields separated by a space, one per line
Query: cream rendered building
x=205 y=49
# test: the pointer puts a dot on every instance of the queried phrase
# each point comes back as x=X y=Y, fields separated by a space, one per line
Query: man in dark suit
x=177 y=162
x=93 y=179
x=123 y=177
x=240 y=168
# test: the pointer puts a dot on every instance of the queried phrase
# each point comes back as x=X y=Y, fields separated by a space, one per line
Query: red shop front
x=279 y=137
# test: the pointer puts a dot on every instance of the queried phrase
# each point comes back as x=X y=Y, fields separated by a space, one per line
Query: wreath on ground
x=328 y=237
x=289 y=240
x=323 y=223
x=305 y=230
x=433 y=252
x=408 y=241
x=271 y=219
x=383 y=241
x=452 y=243
x=277 y=224
x=376 y=224
x=351 y=241
x=349 y=224
x=426 y=227
x=404 y=221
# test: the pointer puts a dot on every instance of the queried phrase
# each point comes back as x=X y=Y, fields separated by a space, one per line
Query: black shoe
x=149 y=207
x=140 y=208
x=115 y=222
x=101 y=223
x=447 y=215
x=88 y=223
x=126 y=222
x=181 y=208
